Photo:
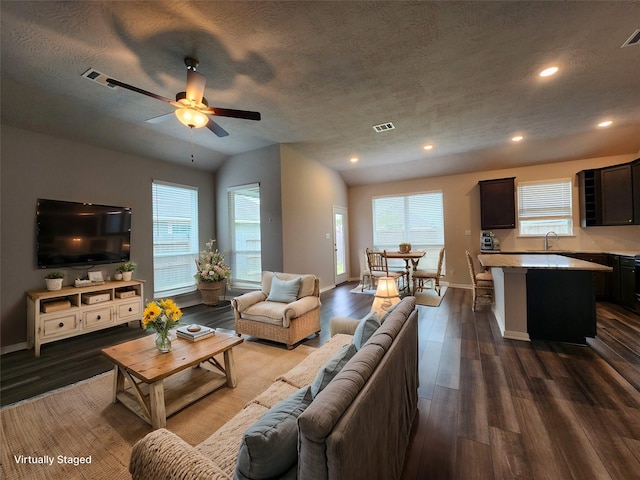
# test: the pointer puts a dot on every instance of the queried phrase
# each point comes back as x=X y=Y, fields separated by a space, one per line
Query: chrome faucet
x=546 y=240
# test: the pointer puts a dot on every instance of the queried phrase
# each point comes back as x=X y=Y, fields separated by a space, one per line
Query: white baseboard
x=13 y=348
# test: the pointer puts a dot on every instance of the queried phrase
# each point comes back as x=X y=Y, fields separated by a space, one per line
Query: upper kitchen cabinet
x=497 y=204
x=610 y=195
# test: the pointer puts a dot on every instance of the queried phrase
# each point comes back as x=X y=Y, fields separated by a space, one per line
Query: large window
x=417 y=218
x=175 y=238
x=545 y=206
x=245 y=256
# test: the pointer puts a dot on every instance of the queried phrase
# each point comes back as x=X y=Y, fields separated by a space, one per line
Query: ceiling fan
x=192 y=109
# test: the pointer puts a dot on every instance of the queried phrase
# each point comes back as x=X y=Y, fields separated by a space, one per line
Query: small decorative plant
x=404 y=247
x=53 y=280
x=54 y=275
x=127 y=267
x=211 y=266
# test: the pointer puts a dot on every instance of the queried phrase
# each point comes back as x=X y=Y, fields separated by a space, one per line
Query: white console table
x=70 y=311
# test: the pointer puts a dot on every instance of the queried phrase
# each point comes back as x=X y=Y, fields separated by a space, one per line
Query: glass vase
x=163 y=342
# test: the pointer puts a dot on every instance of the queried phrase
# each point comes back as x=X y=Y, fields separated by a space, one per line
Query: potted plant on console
x=211 y=273
x=53 y=280
x=127 y=270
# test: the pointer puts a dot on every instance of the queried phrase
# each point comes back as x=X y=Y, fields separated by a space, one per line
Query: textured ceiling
x=459 y=75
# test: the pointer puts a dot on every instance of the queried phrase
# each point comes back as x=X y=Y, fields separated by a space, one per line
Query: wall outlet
x=467 y=233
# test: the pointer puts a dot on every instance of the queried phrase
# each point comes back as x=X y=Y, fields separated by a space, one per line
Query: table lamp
x=386 y=296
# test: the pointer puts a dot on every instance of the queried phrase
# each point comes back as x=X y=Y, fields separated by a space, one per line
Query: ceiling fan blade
x=161 y=118
x=113 y=81
x=229 y=112
x=195 y=86
x=217 y=129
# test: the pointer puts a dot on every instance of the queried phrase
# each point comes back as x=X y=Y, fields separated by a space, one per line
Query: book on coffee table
x=195 y=332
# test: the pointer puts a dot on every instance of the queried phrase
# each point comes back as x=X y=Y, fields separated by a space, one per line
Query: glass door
x=340 y=244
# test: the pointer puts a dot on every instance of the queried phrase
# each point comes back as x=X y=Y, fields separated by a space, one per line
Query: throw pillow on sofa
x=332 y=368
x=367 y=326
x=269 y=447
x=284 y=291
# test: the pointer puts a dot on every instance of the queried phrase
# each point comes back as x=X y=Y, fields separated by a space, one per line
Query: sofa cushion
x=367 y=326
x=388 y=312
x=269 y=447
x=285 y=291
x=304 y=373
x=332 y=368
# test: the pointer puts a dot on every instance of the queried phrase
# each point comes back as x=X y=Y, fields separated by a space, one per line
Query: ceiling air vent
x=634 y=39
x=383 y=127
x=97 y=77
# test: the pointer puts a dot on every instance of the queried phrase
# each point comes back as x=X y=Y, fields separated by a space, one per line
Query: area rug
x=78 y=433
x=427 y=297
x=430 y=297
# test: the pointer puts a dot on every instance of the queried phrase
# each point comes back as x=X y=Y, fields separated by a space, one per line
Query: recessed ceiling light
x=547 y=72
x=605 y=124
x=353 y=159
x=517 y=138
x=428 y=147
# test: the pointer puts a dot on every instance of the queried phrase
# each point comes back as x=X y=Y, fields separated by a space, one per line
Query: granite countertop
x=622 y=253
x=539 y=261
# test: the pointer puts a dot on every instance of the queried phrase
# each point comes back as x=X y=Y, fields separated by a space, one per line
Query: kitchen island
x=543 y=296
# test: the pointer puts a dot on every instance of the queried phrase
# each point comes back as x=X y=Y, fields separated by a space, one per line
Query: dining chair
x=482 y=283
x=421 y=276
x=365 y=273
x=379 y=267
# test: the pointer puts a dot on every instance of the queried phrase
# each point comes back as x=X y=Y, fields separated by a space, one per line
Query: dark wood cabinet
x=561 y=305
x=601 y=280
x=617 y=195
x=497 y=204
x=635 y=177
x=627 y=279
x=610 y=195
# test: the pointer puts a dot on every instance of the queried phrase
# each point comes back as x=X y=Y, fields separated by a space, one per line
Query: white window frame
x=427 y=236
x=174 y=258
x=245 y=262
x=545 y=206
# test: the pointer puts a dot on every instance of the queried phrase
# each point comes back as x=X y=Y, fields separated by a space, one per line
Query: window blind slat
x=545 y=206
x=245 y=257
x=175 y=238
x=416 y=218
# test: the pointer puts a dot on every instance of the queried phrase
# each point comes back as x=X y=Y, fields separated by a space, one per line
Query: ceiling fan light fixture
x=191 y=118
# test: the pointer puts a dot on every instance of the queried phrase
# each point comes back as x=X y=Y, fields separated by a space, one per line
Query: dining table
x=410 y=258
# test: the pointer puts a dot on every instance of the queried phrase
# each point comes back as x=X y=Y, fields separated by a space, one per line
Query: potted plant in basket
x=211 y=273
x=53 y=280
x=127 y=270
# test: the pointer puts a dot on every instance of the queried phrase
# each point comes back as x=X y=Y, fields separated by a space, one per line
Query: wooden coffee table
x=160 y=384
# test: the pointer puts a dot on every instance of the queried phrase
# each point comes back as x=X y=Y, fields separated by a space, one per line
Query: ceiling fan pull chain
x=191 y=140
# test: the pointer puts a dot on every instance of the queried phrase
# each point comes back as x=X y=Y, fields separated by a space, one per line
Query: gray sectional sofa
x=352 y=424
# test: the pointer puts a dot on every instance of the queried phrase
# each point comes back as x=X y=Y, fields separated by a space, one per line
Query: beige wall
x=462 y=212
x=40 y=166
x=309 y=192
x=258 y=166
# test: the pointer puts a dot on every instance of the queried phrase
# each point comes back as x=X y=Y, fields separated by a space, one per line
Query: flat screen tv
x=81 y=234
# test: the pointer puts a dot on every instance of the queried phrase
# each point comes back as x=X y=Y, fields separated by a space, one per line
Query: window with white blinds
x=545 y=206
x=245 y=257
x=416 y=218
x=175 y=238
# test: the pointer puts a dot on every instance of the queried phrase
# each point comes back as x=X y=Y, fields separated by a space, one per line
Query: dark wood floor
x=488 y=407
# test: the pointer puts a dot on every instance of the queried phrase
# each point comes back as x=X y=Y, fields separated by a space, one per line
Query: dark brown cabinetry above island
x=610 y=195
x=497 y=204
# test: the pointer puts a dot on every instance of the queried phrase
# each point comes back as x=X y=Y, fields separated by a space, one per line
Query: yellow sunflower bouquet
x=161 y=316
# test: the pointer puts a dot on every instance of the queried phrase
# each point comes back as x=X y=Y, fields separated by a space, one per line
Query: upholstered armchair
x=285 y=310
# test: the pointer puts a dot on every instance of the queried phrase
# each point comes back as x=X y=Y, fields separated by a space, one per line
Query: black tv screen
x=75 y=234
